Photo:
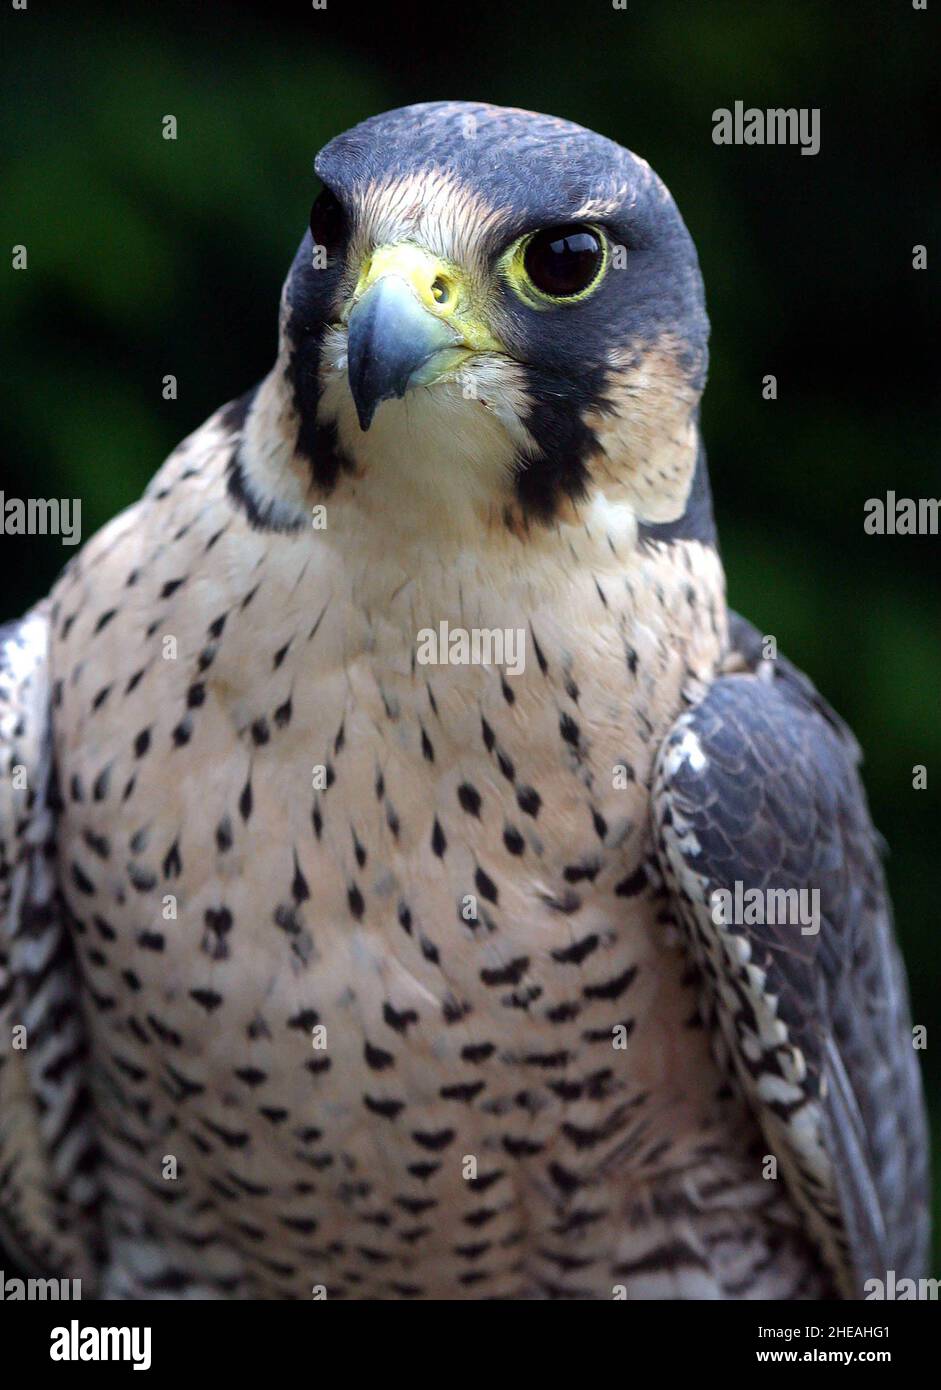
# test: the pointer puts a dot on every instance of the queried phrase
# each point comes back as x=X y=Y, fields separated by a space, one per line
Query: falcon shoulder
x=48 y=1194
x=757 y=785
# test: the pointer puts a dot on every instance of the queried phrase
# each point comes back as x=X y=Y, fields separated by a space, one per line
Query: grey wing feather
x=48 y=1190
x=758 y=784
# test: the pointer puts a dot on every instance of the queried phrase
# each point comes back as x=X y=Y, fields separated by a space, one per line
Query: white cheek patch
x=272 y=475
x=499 y=385
x=648 y=436
x=333 y=351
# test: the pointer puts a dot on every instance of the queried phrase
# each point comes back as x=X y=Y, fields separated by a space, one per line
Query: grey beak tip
x=390 y=336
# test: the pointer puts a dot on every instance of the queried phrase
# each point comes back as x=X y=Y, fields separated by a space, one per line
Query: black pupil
x=563 y=260
x=327 y=221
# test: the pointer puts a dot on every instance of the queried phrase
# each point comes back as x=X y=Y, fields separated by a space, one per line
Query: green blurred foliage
x=149 y=256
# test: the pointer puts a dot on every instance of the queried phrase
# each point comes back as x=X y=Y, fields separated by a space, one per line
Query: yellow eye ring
x=556 y=265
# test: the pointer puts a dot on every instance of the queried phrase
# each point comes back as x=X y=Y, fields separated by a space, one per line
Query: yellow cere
x=440 y=287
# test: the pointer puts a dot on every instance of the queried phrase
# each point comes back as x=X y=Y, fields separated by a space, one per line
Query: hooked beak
x=410 y=322
x=394 y=343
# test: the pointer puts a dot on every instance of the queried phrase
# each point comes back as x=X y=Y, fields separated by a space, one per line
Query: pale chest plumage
x=359 y=933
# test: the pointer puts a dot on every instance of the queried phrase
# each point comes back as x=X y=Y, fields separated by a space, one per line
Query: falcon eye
x=327 y=221
x=563 y=262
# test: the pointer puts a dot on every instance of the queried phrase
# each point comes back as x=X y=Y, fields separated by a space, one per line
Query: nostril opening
x=440 y=290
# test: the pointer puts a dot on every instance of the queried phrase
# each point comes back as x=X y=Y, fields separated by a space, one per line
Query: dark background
x=149 y=257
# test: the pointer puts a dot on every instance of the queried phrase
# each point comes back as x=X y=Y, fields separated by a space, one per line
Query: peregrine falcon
x=343 y=956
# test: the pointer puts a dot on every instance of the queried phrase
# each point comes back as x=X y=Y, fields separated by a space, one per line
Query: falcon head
x=499 y=310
